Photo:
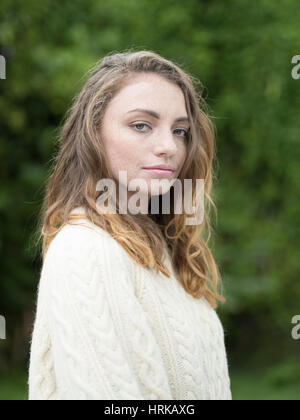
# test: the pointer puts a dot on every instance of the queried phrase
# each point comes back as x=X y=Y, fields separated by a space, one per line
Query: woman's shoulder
x=80 y=237
x=84 y=250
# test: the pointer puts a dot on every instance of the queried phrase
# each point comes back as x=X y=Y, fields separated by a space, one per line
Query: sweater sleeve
x=102 y=343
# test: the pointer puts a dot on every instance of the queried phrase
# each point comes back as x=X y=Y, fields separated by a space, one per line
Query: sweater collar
x=78 y=210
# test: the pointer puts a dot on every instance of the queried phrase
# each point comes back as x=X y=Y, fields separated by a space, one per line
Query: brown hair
x=81 y=162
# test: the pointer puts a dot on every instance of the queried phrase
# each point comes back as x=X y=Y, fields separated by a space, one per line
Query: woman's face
x=134 y=140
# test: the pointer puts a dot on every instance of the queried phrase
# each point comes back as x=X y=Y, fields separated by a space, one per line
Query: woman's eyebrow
x=156 y=115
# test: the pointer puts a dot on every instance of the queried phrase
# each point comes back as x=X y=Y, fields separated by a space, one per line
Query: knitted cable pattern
x=42 y=381
x=109 y=329
x=196 y=357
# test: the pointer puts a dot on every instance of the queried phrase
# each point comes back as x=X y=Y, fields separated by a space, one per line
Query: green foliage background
x=241 y=51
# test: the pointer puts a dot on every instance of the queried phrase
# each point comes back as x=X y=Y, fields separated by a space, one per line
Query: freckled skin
x=153 y=141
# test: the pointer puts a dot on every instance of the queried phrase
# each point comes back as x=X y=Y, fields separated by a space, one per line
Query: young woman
x=126 y=305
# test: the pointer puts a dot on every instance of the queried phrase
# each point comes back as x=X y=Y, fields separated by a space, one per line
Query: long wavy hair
x=80 y=163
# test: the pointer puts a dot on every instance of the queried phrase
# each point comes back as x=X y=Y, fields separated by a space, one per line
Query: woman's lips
x=161 y=172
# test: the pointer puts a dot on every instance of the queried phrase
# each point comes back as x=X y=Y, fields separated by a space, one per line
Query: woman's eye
x=139 y=124
x=185 y=132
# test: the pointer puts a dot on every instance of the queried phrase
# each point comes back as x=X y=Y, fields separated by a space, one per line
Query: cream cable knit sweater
x=108 y=329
